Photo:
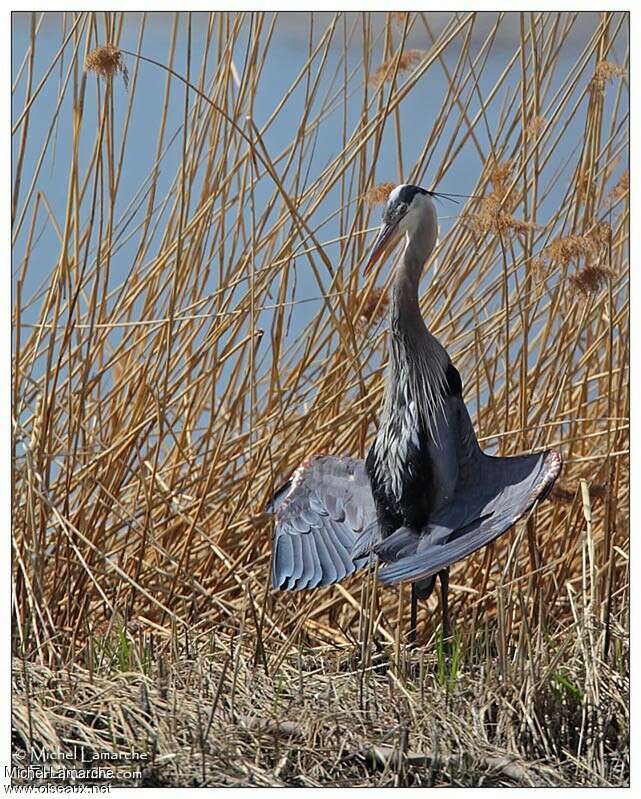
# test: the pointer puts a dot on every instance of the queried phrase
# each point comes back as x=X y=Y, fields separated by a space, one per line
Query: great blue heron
x=426 y=495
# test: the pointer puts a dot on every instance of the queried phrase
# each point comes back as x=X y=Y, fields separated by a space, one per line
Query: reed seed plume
x=373 y=305
x=386 y=70
x=590 y=280
x=495 y=216
x=539 y=267
x=601 y=234
x=605 y=72
x=500 y=175
x=535 y=126
x=398 y=17
x=106 y=61
x=564 y=249
x=378 y=194
x=494 y=219
x=587 y=188
x=621 y=188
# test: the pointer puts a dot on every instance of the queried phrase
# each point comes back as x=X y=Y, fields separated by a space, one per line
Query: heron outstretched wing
x=479 y=513
x=325 y=518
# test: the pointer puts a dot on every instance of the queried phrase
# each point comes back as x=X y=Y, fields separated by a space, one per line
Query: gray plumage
x=427 y=495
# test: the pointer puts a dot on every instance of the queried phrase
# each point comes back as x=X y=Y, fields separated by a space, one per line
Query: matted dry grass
x=206 y=711
x=151 y=426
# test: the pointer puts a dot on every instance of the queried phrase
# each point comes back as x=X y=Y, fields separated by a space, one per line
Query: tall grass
x=159 y=400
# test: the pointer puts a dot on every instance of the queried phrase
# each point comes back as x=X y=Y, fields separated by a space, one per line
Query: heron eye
x=402 y=208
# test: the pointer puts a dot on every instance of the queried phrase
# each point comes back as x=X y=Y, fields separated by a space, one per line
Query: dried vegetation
x=170 y=369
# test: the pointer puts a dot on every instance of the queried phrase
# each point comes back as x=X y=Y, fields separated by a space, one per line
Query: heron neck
x=406 y=313
x=413 y=346
x=418 y=362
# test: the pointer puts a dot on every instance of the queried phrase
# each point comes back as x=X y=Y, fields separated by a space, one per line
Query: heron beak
x=385 y=236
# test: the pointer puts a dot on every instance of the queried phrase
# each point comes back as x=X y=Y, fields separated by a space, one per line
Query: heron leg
x=444 y=577
x=413 y=615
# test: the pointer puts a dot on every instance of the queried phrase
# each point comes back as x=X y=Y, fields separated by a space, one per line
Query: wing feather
x=284 y=557
x=308 y=561
x=297 y=560
x=320 y=513
x=328 y=566
x=335 y=533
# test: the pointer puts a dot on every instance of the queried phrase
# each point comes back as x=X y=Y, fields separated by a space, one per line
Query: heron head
x=407 y=209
